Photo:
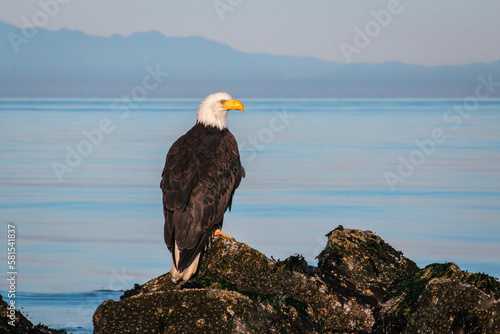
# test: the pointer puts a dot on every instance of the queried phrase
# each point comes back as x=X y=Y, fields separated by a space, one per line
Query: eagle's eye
x=222 y=101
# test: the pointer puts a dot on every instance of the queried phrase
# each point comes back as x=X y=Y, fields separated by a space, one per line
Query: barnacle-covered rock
x=12 y=321
x=361 y=264
x=237 y=289
x=441 y=298
x=361 y=285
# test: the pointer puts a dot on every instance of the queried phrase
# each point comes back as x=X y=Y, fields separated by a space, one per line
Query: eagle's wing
x=197 y=189
x=179 y=175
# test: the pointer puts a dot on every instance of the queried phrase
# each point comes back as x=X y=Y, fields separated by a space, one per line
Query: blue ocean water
x=79 y=179
x=71 y=311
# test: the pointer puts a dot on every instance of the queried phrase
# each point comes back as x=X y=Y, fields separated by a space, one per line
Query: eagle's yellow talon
x=222 y=234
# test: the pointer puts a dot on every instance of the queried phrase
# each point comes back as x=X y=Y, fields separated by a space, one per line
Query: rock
x=441 y=299
x=361 y=285
x=361 y=264
x=21 y=324
x=237 y=289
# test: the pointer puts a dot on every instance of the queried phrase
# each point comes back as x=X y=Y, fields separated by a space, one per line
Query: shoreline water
x=70 y=311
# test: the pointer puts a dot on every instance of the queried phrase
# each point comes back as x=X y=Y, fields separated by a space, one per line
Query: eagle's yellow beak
x=233 y=104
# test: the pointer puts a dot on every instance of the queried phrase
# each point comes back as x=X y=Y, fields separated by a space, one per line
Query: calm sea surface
x=79 y=180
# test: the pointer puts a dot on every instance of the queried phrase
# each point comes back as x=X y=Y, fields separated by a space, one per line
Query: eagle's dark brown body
x=202 y=171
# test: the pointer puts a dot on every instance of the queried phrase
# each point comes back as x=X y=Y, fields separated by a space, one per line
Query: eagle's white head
x=214 y=108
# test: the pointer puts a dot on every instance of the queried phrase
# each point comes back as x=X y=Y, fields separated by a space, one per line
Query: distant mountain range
x=67 y=63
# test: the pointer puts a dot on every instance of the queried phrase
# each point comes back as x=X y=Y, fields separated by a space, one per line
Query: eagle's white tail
x=187 y=273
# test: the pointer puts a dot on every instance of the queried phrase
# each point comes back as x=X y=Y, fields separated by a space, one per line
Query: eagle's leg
x=222 y=234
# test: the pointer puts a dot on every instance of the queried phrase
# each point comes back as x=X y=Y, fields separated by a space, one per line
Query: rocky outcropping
x=361 y=285
x=361 y=264
x=441 y=299
x=12 y=321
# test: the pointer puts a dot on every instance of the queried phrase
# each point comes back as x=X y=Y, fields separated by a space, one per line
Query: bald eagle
x=202 y=171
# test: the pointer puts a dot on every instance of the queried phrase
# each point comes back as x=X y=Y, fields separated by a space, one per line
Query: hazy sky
x=427 y=32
